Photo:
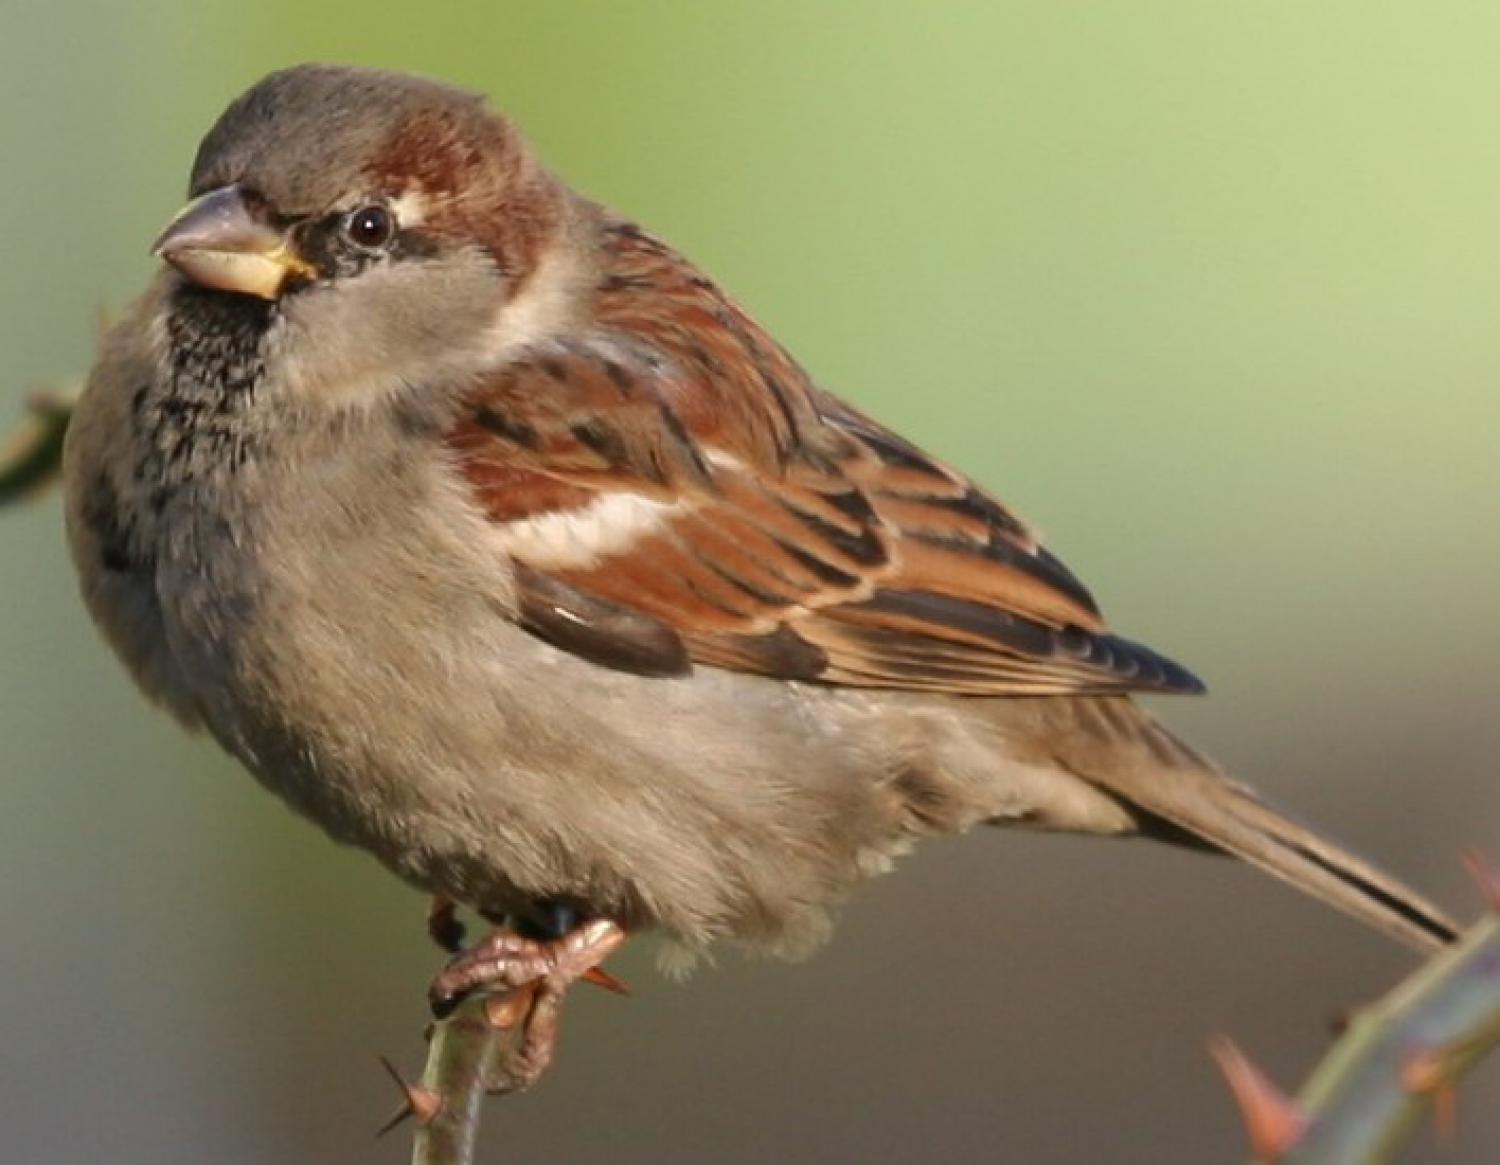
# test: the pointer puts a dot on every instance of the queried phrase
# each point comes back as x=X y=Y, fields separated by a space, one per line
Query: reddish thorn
x=505 y=1011
x=1485 y=875
x=599 y=977
x=1445 y=1113
x=1274 y=1121
x=418 y=1102
x=1426 y=1073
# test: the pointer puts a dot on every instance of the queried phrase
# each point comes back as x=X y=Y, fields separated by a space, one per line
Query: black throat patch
x=192 y=420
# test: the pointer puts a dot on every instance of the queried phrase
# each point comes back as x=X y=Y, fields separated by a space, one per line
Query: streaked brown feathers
x=787 y=534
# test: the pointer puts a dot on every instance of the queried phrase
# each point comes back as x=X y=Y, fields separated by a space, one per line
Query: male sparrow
x=496 y=538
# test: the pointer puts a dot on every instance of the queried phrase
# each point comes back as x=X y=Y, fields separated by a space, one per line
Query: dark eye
x=370 y=227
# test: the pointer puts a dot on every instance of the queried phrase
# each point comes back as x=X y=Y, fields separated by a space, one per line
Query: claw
x=526 y=979
x=599 y=977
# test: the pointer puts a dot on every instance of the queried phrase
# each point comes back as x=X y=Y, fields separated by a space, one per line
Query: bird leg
x=443 y=926
x=530 y=977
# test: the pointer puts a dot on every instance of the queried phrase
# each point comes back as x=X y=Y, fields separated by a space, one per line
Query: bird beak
x=217 y=241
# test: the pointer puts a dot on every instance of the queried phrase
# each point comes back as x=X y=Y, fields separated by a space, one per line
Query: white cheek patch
x=578 y=539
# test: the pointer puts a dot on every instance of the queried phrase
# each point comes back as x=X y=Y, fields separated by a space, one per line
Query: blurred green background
x=1208 y=291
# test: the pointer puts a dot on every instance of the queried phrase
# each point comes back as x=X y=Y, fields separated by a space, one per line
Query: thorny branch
x=1398 y=1059
x=464 y=1053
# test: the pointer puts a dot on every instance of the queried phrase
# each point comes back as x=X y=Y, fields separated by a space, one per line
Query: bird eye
x=370 y=227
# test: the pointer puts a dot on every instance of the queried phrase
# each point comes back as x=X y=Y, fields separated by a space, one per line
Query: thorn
x=506 y=1011
x=395 y=1122
x=599 y=977
x=1486 y=875
x=1427 y=1073
x=1274 y=1121
x=418 y=1102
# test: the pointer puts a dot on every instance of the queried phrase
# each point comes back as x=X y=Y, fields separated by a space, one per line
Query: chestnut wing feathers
x=677 y=493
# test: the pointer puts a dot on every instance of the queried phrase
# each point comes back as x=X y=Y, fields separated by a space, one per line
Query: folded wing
x=675 y=491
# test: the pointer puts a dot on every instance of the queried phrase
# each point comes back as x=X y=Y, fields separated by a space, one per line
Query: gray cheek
x=403 y=321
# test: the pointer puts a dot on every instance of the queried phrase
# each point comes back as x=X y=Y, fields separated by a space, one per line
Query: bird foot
x=529 y=978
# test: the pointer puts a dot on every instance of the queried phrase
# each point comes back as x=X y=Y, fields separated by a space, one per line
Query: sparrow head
x=368 y=223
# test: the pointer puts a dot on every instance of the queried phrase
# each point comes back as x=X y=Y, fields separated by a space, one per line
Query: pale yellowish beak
x=217 y=241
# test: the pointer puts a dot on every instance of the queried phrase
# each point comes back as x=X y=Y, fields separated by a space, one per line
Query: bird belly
x=387 y=694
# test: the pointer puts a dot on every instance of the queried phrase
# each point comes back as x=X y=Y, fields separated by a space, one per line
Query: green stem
x=464 y=1053
x=1368 y=1093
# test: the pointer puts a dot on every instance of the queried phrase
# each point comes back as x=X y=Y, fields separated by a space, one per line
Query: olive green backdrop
x=1207 y=290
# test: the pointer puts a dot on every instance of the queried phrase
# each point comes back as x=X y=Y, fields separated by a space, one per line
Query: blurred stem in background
x=1399 y=1058
x=32 y=457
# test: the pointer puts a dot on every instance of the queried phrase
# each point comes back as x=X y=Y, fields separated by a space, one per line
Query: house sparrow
x=497 y=539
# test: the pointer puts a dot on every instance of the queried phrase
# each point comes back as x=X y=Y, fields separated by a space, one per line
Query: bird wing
x=673 y=490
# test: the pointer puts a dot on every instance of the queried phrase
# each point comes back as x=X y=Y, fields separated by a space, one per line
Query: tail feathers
x=1149 y=769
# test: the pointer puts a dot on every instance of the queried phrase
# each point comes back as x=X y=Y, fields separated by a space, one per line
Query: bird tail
x=1126 y=753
